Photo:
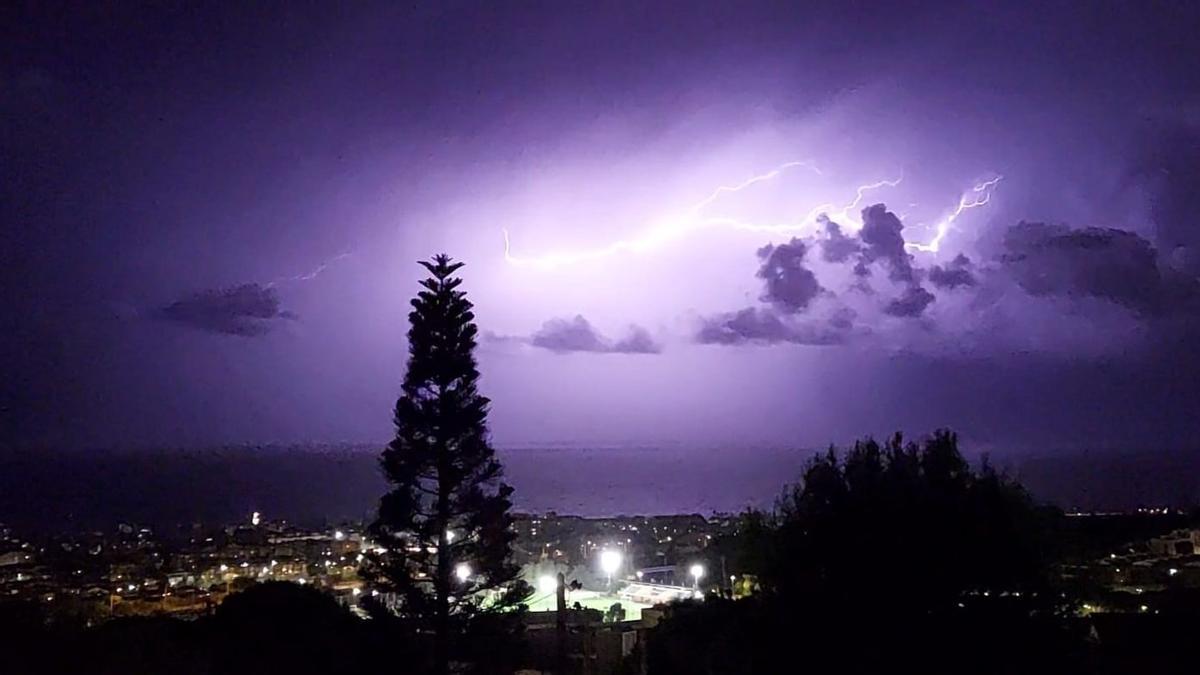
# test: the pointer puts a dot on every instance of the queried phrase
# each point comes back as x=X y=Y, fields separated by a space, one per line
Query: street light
x=547 y=583
x=697 y=571
x=462 y=571
x=610 y=563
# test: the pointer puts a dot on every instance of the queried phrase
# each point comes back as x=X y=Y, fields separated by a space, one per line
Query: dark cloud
x=882 y=239
x=1115 y=265
x=912 y=303
x=1172 y=172
x=248 y=310
x=578 y=335
x=790 y=286
x=836 y=247
x=764 y=326
x=958 y=273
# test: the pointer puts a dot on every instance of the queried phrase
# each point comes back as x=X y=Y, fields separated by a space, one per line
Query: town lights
x=697 y=571
x=462 y=571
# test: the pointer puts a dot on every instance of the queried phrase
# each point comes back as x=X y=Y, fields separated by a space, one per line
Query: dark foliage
x=895 y=555
x=907 y=525
x=447 y=505
x=272 y=627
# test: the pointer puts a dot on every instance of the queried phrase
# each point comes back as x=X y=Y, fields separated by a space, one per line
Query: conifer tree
x=442 y=539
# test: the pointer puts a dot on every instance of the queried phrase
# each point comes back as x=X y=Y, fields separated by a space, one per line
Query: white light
x=355 y=591
x=1172 y=571
x=301 y=581
x=449 y=536
x=224 y=567
x=697 y=571
x=462 y=571
x=255 y=518
x=339 y=535
x=547 y=584
x=610 y=561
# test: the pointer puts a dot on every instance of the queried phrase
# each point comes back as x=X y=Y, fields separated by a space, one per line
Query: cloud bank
x=248 y=310
x=564 y=336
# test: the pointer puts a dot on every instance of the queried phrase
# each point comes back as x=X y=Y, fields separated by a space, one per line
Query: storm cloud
x=763 y=326
x=836 y=246
x=1109 y=264
x=883 y=239
x=565 y=336
x=790 y=286
x=248 y=310
x=912 y=303
x=956 y=274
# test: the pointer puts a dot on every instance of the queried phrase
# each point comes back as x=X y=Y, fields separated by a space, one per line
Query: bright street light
x=610 y=563
x=697 y=571
x=547 y=584
x=462 y=571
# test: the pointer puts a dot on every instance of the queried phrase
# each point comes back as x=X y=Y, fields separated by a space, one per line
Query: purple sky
x=211 y=217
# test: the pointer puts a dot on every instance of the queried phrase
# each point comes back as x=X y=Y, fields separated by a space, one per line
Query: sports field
x=544 y=602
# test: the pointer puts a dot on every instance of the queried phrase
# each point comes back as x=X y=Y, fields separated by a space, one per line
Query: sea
x=52 y=490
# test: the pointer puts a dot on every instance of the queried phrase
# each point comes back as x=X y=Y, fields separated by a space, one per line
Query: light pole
x=697 y=571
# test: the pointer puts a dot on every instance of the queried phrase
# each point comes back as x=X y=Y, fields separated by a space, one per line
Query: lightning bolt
x=965 y=202
x=663 y=231
x=691 y=220
x=309 y=276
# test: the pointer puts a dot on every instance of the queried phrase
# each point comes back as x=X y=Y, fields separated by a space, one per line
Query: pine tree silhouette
x=442 y=537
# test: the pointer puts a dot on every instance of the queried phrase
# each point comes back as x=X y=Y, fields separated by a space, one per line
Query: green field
x=544 y=602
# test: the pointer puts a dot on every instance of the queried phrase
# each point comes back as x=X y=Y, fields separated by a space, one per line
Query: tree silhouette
x=889 y=557
x=906 y=524
x=443 y=536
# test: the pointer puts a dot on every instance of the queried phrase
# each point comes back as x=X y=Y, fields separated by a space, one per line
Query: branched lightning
x=693 y=219
x=964 y=203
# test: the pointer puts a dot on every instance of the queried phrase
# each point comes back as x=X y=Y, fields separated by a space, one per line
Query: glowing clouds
x=790 y=286
x=575 y=335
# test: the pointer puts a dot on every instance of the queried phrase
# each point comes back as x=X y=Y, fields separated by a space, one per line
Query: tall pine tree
x=442 y=539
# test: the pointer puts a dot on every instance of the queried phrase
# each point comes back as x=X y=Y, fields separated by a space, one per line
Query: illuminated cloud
x=956 y=274
x=789 y=285
x=755 y=325
x=578 y=335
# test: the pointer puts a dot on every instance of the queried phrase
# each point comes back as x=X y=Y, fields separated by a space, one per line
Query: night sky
x=211 y=215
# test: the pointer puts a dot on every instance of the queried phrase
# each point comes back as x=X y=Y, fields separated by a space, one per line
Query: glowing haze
x=729 y=226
